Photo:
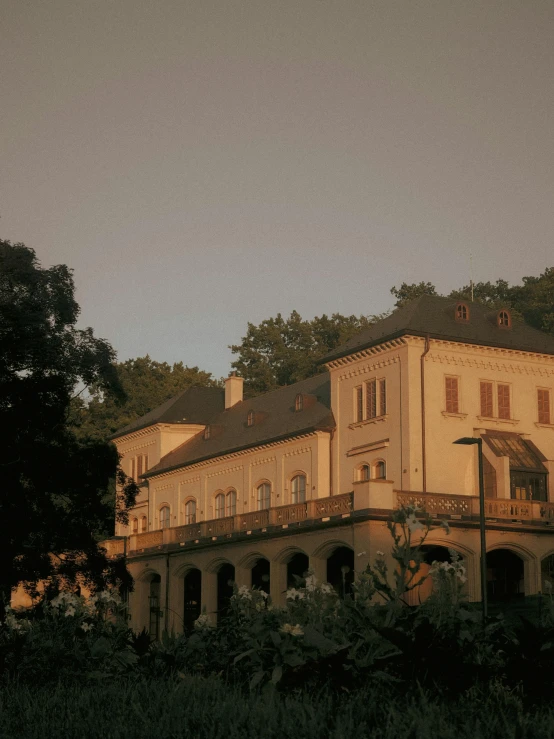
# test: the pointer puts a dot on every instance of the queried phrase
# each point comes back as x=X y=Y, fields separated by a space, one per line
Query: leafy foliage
x=283 y=351
x=52 y=498
x=146 y=384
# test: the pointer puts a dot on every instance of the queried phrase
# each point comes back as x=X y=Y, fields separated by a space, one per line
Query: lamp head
x=467 y=440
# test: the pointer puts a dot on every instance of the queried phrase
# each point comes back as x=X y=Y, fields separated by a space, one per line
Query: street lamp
x=468 y=441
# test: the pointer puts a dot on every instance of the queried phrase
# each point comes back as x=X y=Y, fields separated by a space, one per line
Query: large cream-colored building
x=256 y=491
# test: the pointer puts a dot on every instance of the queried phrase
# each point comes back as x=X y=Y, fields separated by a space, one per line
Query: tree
x=283 y=351
x=407 y=292
x=52 y=498
x=146 y=383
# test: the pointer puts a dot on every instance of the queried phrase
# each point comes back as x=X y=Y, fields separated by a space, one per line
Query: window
x=139 y=465
x=363 y=473
x=134 y=526
x=487 y=398
x=504 y=319
x=380 y=470
x=359 y=415
x=452 y=395
x=250 y=418
x=264 y=496
x=219 y=505
x=231 y=503
x=462 y=312
x=299 y=402
x=143 y=524
x=190 y=511
x=207 y=432
x=164 y=517
x=298 y=488
x=528 y=474
x=543 y=400
x=503 y=401
x=370 y=400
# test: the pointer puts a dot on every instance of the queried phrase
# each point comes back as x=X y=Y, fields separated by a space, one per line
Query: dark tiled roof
x=275 y=418
x=193 y=405
x=435 y=316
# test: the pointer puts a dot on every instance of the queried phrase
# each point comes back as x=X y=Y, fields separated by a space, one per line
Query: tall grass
x=202 y=708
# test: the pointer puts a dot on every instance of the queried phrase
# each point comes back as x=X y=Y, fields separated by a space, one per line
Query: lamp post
x=469 y=441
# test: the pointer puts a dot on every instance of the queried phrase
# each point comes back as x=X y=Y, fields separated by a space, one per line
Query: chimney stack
x=233 y=390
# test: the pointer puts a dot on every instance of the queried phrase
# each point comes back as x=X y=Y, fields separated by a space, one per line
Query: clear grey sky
x=205 y=163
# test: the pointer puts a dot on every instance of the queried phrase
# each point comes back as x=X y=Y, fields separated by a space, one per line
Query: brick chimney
x=233 y=390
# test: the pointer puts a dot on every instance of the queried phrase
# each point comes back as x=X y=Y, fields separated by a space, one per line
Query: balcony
x=275 y=518
x=371 y=499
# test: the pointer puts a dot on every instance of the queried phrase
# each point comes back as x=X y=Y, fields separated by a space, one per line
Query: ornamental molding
x=167 y=486
x=226 y=471
x=296 y=452
x=490 y=363
x=190 y=480
x=372 y=351
x=370 y=368
x=262 y=460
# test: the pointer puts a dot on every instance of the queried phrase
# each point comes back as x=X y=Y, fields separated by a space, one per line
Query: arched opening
x=340 y=570
x=260 y=575
x=505 y=576
x=225 y=580
x=154 y=605
x=192 y=607
x=297 y=566
x=547 y=574
x=298 y=488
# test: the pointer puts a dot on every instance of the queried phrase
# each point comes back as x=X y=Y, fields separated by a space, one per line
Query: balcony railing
x=255 y=520
x=378 y=497
x=468 y=505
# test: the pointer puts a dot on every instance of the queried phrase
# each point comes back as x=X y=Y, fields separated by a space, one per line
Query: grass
x=208 y=709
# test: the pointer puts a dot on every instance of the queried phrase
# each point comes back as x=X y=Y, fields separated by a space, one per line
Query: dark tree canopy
x=53 y=492
x=146 y=383
x=407 y=292
x=283 y=351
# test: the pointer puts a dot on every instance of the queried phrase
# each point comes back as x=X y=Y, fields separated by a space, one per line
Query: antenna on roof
x=471 y=274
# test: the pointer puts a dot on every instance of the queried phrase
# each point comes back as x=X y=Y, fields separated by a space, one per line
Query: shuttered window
x=371 y=399
x=452 y=396
x=503 y=401
x=543 y=398
x=486 y=400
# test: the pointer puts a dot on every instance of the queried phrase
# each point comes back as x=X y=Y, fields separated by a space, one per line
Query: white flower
x=264 y=595
x=202 y=622
x=361 y=554
x=325 y=588
x=413 y=524
x=244 y=592
x=69 y=611
x=290 y=629
x=294 y=593
x=311 y=583
x=380 y=553
x=86 y=627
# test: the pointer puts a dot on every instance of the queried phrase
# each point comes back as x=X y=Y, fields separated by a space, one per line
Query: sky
x=202 y=164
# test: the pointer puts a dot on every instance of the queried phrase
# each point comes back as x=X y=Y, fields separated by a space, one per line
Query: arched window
x=250 y=418
x=504 y=319
x=299 y=402
x=462 y=312
x=143 y=523
x=380 y=470
x=219 y=505
x=264 y=496
x=164 y=517
x=231 y=503
x=134 y=525
x=190 y=511
x=363 y=473
x=298 y=487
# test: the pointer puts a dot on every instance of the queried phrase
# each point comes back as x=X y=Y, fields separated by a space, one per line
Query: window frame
x=299 y=402
x=299 y=491
x=250 y=418
x=219 y=505
x=504 y=318
x=189 y=504
x=452 y=404
x=165 y=518
x=231 y=507
x=462 y=312
x=265 y=497
x=495 y=389
x=544 y=414
x=370 y=400
x=379 y=463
